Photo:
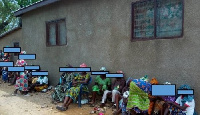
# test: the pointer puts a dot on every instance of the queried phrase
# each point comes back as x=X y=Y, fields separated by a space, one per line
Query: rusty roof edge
x=10 y=31
x=36 y=5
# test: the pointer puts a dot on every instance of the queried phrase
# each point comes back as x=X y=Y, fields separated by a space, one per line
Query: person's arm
x=177 y=105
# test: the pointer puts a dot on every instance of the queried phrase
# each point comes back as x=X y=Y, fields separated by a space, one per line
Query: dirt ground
x=37 y=104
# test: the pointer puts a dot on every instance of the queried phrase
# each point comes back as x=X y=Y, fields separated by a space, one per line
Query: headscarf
x=188 y=98
x=103 y=68
x=145 y=78
x=154 y=81
x=83 y=65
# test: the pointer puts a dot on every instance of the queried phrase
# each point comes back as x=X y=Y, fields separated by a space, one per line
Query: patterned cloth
x=138 y=98
x=104 y=82
x=4 y=75
x=60 y=89
x=73 y=92
x=22 y=82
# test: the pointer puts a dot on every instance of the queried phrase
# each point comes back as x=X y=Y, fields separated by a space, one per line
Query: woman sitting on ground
x=184 y=104
x=73 y=92
x=101 y=84
x=41 y=84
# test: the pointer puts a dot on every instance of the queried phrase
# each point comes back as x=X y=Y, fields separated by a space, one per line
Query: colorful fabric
x=104 y=82
x=22 y=82
x=34 y=80
x=153 y=81
x=138 y=96
x=190 y=105
x=73 y=92
x=188 y=98
x=4 y=75
x=21 y=63
x=42 y=79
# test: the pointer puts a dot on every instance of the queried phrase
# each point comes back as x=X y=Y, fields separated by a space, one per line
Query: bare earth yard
x=36 y=104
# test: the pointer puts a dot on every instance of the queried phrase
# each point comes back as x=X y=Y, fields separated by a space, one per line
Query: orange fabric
x=153 y=81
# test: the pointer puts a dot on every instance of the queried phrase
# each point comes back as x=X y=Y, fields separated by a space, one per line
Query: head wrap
x=103 y=69
x=167 y=83
x=23 y=52
x=83 y=65
x=154 y=81
x=119 y=71
x=188 y=98
x=145 y=78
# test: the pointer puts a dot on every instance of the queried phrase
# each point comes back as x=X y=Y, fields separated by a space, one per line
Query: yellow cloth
x=34 y=80
x=40 y=88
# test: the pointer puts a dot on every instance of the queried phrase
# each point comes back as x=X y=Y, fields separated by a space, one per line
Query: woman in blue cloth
x=5 y=74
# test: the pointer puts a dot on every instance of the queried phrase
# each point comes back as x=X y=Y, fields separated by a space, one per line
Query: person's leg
x=114 y=92
x=65 y=101
x=117 y=98
x=94 y=93
x=69 y=102
x=104 y=97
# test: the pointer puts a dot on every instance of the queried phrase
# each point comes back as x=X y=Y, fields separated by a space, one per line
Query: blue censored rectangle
x=163 y=90
x=189 y=92
x=64 y=69
x=32 y=67
x=16 y=69
x=12 y=49
x=27 y=56
x=6 y=64
x=114 y=75
x=85 y=69
x=40 y=73
x=99 y=72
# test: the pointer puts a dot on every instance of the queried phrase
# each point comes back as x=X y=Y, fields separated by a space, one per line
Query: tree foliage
x=7 y=8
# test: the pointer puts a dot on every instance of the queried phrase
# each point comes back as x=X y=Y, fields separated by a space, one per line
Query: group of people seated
x=24 y=81
x=128 y=96
x=131 y=95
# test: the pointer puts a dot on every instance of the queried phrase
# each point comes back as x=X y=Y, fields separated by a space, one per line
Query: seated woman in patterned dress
x=73 y=92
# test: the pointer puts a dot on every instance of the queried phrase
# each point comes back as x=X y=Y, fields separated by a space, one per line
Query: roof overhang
x=9 y=32
x=34 y=6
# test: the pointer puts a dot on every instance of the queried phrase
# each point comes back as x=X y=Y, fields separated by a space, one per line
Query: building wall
x=99 y=32
x=9 y=39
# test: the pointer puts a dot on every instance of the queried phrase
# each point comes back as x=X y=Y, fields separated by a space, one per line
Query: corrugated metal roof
x=33 y=7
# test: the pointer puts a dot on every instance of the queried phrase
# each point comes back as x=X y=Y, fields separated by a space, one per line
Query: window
x=16 y=44
x=56 y=33
x=157 y=19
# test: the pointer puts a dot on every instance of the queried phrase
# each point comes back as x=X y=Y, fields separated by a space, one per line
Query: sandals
x=61 y=108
